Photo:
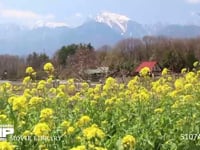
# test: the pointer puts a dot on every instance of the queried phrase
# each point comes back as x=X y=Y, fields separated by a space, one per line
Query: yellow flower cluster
x=19 y=103
x=41 y=129
x=129 y=141
x=3 y=117
x=144 y=71
x=65 y=124
x=196 y=63
x=82 y=147
x=26 y=80
x=71 y=88
x=84 y=120
x=70 y=130
x=29 y=70
x=6 y=146
x=35 y=100
x=46 y=113
x=93 y=132
x=165 y=71
x=86 y=117
x=110 y=85
x=49 y=68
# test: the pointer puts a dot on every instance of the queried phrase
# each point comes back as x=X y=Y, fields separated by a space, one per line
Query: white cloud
x=51 y=24
x=18 y=14
x=193 y=1
x=56 y=24
x=30 y=18
x=23 y=14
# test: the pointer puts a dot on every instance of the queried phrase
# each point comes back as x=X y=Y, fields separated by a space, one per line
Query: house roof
x=98 y=70
x=149 y=64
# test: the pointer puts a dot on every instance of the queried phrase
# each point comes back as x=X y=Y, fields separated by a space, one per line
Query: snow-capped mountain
x=105 y=29
x=113 y=20
x=122 y=24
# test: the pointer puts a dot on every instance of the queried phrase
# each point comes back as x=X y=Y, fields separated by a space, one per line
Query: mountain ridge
x=105 y=29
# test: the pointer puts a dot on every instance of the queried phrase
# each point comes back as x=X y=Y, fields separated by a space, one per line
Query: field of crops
x=144 y=114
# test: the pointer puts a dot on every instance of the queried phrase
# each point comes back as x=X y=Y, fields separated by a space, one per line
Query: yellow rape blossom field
x=144 y=114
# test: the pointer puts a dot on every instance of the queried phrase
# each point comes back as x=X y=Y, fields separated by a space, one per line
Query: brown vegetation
x=122 y=58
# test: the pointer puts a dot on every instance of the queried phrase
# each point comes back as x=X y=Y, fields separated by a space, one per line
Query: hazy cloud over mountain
x=47 y=25
x=76 y=12
x=193 y=1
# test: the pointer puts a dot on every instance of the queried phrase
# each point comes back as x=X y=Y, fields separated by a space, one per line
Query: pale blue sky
x=74 y=12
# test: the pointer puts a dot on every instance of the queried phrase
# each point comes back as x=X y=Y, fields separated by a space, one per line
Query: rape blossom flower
x=46 y=113
x=196 y=63
x=70 y=130
x=6 y=146
x=41 y=129
x=26 y=80
x=29 y=70
x=82 y=147
x=19 y=103
x=49 y=68
x=93 y=132
x=129 y=141
x=144 y=71
x=165 y=71
x=83 y=120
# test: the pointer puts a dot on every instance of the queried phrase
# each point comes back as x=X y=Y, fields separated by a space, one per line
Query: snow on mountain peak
x=114 y=20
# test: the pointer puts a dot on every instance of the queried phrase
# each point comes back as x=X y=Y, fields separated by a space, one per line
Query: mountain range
x=105 y=29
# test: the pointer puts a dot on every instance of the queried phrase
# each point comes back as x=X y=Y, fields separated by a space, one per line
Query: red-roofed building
x=152 y=65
